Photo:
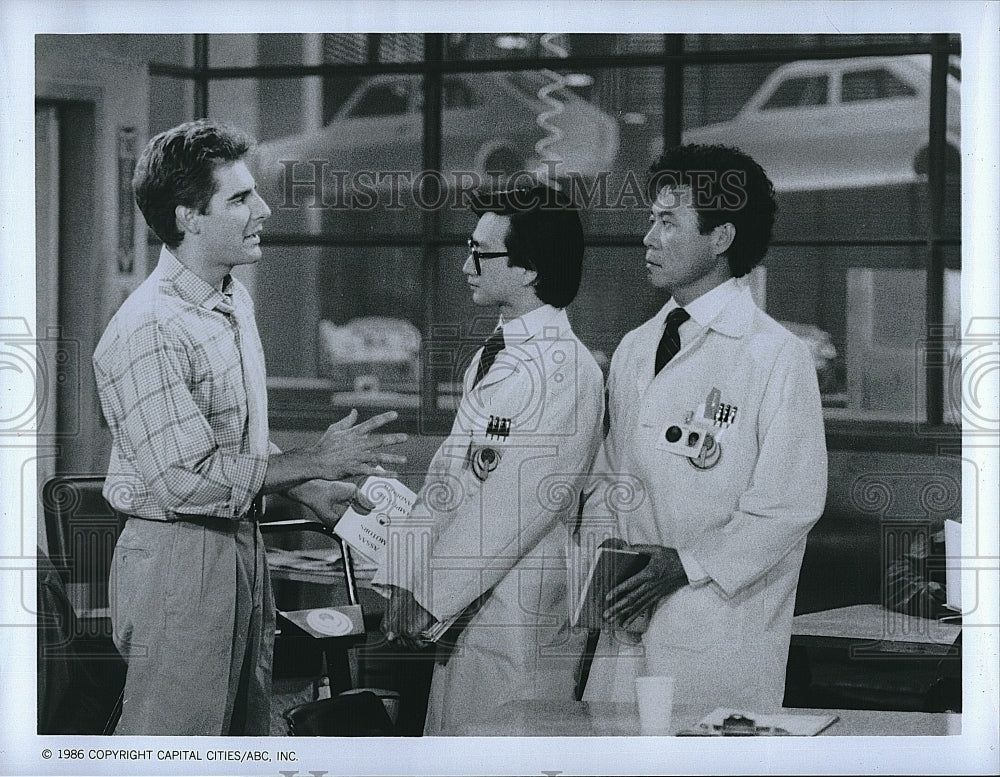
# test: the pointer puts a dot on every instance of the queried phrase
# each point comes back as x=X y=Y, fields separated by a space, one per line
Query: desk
x=601 y=719
x=871 y=628
x=870 y=657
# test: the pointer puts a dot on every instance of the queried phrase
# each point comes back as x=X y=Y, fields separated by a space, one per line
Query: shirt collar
x=532 y=323
x=190 y=287
x=725 y=308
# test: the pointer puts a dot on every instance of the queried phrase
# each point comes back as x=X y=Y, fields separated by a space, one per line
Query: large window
x=368 y=143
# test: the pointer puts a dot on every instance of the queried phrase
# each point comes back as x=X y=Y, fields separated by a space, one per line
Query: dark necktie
x=493 y=346
x=670 y=343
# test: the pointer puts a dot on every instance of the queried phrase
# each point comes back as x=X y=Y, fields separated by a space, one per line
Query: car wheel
x=952 y=161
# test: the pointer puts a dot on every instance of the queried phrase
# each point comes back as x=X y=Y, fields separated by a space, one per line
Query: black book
x=611 y=566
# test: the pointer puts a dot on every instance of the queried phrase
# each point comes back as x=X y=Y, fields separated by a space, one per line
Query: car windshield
x=799 y=92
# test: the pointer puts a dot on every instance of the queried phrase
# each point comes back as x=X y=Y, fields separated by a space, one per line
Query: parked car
x=826 y=124
x=490 y=122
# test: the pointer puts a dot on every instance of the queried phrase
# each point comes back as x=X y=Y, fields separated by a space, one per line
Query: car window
x=799 y=92
x=875 y=84
x=455 y=94
x=387 y=99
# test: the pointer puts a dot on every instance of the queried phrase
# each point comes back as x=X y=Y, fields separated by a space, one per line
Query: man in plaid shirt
x=180 y=373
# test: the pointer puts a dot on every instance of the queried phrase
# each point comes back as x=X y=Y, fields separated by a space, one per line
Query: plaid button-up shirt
x=180 y=373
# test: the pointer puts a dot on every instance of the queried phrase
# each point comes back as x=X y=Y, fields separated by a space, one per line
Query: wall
x=91 y=87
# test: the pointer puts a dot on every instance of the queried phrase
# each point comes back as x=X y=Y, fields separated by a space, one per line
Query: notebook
x=611 y=566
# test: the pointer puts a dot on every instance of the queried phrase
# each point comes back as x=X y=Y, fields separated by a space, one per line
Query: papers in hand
x=365 y=530
x=611 y=566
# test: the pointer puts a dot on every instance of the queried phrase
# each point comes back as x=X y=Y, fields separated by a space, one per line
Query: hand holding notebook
x=613 y=564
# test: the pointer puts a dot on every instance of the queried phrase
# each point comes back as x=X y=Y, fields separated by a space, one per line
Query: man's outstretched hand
x=347 y=448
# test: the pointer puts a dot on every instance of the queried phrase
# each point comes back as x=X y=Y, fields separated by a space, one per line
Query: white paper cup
x=655 y=695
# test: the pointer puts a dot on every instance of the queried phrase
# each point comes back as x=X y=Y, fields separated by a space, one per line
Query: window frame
x=302 y=407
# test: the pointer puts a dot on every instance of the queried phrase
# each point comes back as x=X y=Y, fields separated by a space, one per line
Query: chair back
x=81 y=529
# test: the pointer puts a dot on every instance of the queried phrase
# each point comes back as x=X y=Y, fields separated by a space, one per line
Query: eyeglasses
x=476 y=255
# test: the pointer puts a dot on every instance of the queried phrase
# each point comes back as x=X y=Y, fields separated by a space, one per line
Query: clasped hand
x=663 y=575
x=329 y=499
x=405 y=620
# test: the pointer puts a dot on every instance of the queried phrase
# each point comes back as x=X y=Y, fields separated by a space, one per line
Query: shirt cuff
x=696 y=574
x=246 y=474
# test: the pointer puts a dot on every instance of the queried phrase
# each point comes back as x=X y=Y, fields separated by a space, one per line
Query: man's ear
x=187 y=219
x=530 y=276
x=723 y=237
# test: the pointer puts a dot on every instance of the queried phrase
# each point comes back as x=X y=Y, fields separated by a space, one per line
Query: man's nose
x=262 y=211
x=469 y=267
x=650 y=240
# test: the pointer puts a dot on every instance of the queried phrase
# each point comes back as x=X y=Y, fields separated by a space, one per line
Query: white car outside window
x=829 y=124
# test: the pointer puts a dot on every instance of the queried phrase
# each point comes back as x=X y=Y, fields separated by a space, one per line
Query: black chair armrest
x=277 y=527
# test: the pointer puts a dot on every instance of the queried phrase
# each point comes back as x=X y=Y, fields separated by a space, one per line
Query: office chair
x=348 y=711
x=346 y=620
x=80 y=672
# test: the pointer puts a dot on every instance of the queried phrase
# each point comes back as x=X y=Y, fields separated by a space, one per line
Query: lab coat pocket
x=696 y=619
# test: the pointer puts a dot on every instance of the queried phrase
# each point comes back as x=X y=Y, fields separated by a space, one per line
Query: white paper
x=366 y=533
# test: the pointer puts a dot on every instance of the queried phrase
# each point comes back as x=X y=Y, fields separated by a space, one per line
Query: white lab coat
x=507 y=534
x=739 y=526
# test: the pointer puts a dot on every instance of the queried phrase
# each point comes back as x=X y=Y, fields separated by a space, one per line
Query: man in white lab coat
x=491 y=526
x=716 y=446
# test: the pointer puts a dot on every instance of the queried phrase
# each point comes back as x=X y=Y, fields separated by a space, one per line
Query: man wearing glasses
x=498 y=505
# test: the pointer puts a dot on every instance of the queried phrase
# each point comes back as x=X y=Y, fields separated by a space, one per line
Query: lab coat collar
x=526 y=338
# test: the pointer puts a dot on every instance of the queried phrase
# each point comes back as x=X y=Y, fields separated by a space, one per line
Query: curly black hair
x=176 y=168
x=727 y=185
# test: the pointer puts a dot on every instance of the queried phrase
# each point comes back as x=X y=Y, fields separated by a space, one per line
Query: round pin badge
x=711 y=453
x=484 y=461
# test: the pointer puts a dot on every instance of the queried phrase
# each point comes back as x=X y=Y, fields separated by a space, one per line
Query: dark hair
x=545 y=235
x=727 y=185
x=176 y=168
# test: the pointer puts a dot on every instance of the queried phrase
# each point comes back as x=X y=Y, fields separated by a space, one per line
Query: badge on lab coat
x=698 y=436
x=484 y=461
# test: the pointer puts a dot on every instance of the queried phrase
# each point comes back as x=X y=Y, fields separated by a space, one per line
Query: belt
x=257 y=509
x=254 y=513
